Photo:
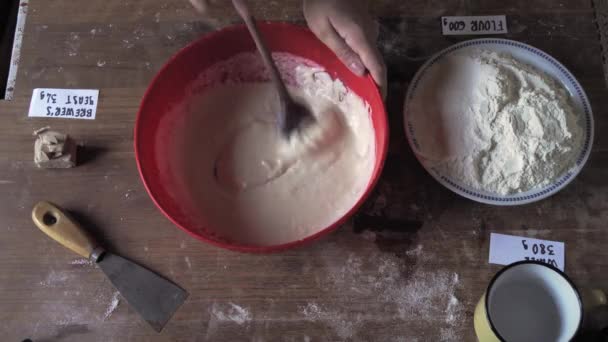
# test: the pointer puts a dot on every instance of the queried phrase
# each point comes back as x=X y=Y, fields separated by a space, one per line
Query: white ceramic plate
x=541 y=61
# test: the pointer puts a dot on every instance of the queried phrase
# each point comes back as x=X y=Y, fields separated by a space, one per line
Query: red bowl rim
x=383 y=149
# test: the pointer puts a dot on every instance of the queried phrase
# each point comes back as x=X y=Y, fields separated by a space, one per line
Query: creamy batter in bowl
x=211 y=158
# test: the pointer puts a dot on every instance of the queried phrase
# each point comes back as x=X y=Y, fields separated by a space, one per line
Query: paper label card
x=494 y=24
x=507 y=249
x=64 y=103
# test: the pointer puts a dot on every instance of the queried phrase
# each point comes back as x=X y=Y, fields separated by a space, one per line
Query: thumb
x=338 y=45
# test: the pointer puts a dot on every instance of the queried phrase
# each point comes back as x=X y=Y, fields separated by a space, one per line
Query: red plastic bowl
x=169 y=87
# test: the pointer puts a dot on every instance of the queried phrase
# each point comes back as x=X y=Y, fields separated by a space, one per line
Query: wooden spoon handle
x=243 y=10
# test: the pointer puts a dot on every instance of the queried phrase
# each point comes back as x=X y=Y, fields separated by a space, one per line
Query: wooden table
x=410 y=268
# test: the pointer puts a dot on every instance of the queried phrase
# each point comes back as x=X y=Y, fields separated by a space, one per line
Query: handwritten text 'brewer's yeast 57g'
x=64 y=103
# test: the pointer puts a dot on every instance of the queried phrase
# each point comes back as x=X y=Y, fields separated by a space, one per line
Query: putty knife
x=153 y=297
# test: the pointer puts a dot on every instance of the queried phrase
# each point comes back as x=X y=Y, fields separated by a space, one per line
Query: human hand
x=343 y=25
x=346 y=28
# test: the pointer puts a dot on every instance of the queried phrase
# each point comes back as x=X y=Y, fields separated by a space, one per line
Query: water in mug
x=532 y=303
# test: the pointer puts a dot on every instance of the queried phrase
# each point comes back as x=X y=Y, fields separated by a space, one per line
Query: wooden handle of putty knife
x=54 y=222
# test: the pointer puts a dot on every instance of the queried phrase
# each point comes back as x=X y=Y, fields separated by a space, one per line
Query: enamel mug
x=529 y=301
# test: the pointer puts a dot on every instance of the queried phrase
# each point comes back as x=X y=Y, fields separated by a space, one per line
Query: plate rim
x=519 y=198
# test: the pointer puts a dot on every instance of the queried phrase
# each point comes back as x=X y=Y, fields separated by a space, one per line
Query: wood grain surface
x=409 y=267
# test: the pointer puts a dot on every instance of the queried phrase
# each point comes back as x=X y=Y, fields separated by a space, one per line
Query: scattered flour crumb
x=231 y=313
x=450 y=311
x=188 y=262
x=127 y=44
x=55 y=278
x=182 y=244
x=73 y=44
x=344 y=327
x=415 y=252
x=139 y=33
x=311 y=310
x=81 y=262
x=101 y=63
x=130 y=193
x=64 y=322
x=113 y=305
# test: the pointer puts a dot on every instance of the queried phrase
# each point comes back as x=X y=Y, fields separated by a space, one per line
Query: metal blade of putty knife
x=153 y=297
x=156 y=299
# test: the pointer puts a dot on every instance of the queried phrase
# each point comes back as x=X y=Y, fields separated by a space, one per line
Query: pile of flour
x=493 y=123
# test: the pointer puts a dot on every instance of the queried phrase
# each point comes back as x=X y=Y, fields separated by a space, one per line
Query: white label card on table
x=64 y=103
x=494 y=24
x=507 y=249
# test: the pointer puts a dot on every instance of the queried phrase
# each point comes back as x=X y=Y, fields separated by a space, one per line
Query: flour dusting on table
x=405 y=294
x=56 y=279
x=344 y=327
x=112 y=305
x=82 y=262
x=231 y=312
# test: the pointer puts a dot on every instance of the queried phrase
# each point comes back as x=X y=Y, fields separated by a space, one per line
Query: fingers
x=373 y=61
x=348 y=30
x=364 y=45
x=371 y=58
x=336 y=43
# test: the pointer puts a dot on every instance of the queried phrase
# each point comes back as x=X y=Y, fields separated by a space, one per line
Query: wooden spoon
x=291 y=114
